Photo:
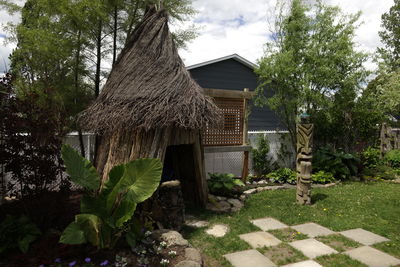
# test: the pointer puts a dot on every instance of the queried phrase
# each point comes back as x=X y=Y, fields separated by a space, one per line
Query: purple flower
x=41 y=265
x=58 y=260
x=72 y=263
x=87 y=260
x=104 y=263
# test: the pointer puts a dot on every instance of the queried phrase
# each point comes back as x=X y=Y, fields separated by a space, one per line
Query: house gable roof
x=236 y=57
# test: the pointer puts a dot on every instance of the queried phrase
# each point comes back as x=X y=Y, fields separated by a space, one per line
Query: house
x=234 y=72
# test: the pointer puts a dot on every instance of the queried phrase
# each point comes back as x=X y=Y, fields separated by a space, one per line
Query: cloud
x=223 y=35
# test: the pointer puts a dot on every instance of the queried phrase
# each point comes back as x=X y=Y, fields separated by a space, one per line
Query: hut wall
x=128 y=145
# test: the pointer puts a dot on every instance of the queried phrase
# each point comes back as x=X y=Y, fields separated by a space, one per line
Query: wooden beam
x=245 y=170
x=217 y=149
x=228 y=93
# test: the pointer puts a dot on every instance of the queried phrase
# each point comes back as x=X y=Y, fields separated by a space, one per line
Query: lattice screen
x=232 y=132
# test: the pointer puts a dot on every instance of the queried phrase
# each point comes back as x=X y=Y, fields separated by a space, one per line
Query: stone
x=312 y=248
x=364 y=237
x=267 y=224
x=235 y=202
x=173 y=238
x=192 y=254
x=197 y=224
x=372 y=257
x=218 y=230
x=260 y=239
x=167 y=206
x=274 y=187
x=188 y=264
x=250 y=191
x=242 y=197
x=220 y=207
x=309 y=263
x=249 y=258
x=224 y=206
x=260 y=189
x=261 y=182
x=220 y=198
x=312 y=229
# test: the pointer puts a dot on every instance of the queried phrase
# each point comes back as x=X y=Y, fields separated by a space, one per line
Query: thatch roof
x=149 y=86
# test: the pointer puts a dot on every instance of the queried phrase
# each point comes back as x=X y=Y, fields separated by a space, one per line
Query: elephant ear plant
x=106 y=209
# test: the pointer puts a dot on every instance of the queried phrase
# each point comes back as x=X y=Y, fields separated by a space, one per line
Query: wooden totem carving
x=303 y=162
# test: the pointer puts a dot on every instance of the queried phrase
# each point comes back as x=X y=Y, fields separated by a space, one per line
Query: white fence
x=280 y=152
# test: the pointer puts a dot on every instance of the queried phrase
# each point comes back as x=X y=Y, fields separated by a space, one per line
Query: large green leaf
x=91 y=224
x=139 y=181
x=73 y=235
x=94 y=205
x=80 y=169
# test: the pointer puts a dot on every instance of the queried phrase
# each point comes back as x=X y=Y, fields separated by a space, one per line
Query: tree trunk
x=115 y=34
x=98 y=59
x=76 y=81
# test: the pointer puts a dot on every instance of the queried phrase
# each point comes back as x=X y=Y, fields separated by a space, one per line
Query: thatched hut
x=150 y=107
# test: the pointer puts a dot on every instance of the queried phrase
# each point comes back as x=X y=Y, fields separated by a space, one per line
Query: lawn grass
x=288 y=234
x=373 y=206
x=282 y=254
x=338 y=242
x=335 y=260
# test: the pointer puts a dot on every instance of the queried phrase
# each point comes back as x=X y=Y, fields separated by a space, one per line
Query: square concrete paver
x=363 y=236
x=267 y=224
x=312 y=229
x=312 y=248
x=308 y=263
x=249 y=258
x=260 y=239
x=372 y=257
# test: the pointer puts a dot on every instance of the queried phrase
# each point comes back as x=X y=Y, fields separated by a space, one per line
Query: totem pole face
x=303 y=163
x=304 y=151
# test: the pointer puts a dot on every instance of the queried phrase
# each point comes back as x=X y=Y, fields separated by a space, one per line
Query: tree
x=311 y=65
x=390 y=36
x=64 y=45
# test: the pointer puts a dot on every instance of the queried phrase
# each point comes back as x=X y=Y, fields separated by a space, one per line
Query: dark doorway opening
x=179 y=165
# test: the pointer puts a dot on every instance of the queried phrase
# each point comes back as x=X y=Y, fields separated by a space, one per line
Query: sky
x=236 y=26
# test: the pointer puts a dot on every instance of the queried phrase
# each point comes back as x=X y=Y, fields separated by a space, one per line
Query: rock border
x=249 y=192
x=192 y=257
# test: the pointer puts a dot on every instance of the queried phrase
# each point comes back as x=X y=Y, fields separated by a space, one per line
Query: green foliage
x=223 y=184
x=380 y=172
x=342 y=165
x=283 y=175
x=261 y=160
x=17 y=232
x=303 y=68
x=370 y=157
x=390 y=36
x=106 y=210
x=322 y=177
x=392 y=158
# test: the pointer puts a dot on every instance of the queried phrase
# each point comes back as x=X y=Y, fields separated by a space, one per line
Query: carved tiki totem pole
x=303 y=161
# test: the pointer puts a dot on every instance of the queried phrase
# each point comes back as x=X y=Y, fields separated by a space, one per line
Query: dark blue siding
x=233 y=75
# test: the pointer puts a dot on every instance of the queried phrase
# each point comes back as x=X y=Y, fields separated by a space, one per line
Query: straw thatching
x=149 y=86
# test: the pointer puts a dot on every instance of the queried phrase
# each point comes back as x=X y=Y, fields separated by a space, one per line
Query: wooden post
x=303 y=161
x=245 y=170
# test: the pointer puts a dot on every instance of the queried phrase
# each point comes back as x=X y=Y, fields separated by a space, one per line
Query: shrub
x=261 y=160
x=223 y=184
x=17 y=232
x=392 y=158
x=370 y=157
x=31 y=136
x=322 y=177
x=106 y=210
x=342 y=165
x=380 y=172
x=283 y=175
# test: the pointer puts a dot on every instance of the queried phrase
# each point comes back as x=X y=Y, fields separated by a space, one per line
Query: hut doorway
x=179 y=164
